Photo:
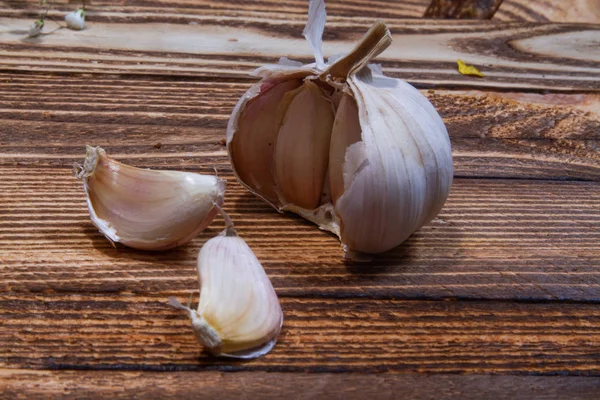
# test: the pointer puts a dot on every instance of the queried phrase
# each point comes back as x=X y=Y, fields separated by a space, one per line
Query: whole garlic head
x=362 y=155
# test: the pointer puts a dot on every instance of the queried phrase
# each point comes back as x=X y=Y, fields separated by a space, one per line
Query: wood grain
x=27 y=384
x=574 y=11
x=273 y=9
x=48 y=119
x=142 y=332
x=505 y=282
x=578 y=11
x=497 y=239
x=525 y=56
x=43 y=101
x=462 y=9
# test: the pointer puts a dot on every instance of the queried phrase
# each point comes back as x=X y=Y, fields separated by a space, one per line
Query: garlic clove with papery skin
x=238 y=313
x=76 y=20
x=374 y=147
x=147 y=209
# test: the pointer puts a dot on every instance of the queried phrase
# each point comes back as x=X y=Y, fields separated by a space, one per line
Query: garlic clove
x=405 y=153
x=415 y=176
x=238 y=313
x=254 y=152
x=76 y=20
x=301 y=154
x=345 y=132
x=147 y=209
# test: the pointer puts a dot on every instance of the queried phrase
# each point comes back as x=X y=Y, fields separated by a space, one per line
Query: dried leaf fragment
x=468 y=69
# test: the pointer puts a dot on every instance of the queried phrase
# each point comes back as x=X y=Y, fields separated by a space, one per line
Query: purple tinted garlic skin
x=362 y=155
x=147 y=209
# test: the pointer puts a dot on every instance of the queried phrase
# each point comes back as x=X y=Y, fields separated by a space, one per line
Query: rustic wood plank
x=47 y=120
x=580 y=11
x=524 y=56
x=473 y=158
x=574 y=11
x=462 y=9
x=274 y=9
x=50 y=98
x=73 y=301
x=27 y=384
x=136 y=332
x=495 y=239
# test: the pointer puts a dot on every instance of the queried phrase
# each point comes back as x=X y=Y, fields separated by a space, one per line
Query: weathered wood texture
x=500 y=239
x=577 y=11
x=520 y=56
x=462 y=9
x=505 y=280
x=48 y=119
x=142 y=332
x=582 y=11
x=24 y=384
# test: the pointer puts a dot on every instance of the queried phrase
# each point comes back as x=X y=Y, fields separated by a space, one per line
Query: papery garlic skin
x=405 y=154
x=147 y=209
x=238 y=313
x=76 y=20
x=389 y=158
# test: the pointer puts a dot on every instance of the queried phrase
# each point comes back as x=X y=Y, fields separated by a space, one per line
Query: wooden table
x=497 y=298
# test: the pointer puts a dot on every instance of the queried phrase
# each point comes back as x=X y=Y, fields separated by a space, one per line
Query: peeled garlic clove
x=238 y=313
x=147 y=209
x=302 y=148
x=255 y=151
x=388 y=156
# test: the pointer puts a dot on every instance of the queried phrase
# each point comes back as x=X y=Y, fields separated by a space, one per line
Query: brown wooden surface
x=462 y=9
x=514 y=56
x=133 y=331
x=586 y=11
x=501 y=288
x=28 y=384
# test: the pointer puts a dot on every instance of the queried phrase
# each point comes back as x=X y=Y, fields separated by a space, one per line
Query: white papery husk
x=406 y=157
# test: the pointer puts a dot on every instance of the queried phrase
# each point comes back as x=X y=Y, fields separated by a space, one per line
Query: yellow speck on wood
x=468 y=69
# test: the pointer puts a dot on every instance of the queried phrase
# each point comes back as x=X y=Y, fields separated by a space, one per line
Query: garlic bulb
x=146 y=209
x=238 y=312
x=362 y=155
